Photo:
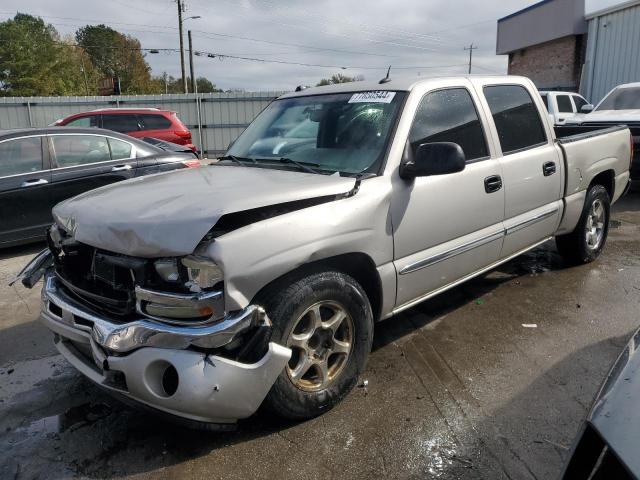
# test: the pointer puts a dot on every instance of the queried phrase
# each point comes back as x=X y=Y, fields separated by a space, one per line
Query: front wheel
x=326 y=320
x=587 y=240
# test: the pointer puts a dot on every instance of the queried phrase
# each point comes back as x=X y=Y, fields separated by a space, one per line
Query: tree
x=166 y=83
x=34 y=60
x=117 y=55
x=339 y=78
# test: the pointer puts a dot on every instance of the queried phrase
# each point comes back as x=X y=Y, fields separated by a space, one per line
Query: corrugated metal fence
x=215 y=119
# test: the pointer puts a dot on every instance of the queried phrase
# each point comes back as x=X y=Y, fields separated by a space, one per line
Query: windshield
x=346 y=132
x=627 y=98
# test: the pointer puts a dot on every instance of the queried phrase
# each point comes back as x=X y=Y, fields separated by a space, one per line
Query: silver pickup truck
x=206 y=293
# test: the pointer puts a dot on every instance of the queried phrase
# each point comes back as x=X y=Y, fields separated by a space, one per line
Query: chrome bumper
x=148 y=362
x=130 y=336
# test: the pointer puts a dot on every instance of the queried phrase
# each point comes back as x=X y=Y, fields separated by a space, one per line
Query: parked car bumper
x=151 y=364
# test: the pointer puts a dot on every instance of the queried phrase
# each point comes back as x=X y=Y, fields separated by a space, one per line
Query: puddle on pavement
x=72 y=419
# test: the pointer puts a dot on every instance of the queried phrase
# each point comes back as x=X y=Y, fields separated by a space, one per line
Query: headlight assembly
x=202 y=273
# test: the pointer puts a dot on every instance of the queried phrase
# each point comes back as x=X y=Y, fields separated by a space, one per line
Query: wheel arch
x=357 y=265
x=607 y=180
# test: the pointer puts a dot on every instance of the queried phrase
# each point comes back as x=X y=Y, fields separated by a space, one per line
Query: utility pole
x=84 y=73
x=184 y=78
x=193 y=77
x=471 y=48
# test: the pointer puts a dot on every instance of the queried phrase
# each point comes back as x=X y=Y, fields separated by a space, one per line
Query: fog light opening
x=170 y=380
x=162 y=378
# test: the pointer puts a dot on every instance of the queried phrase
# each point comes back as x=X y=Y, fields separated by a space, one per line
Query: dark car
x=607 y=446
x=40 y=167
x=135 y=122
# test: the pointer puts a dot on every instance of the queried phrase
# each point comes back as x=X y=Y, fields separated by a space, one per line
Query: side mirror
x=438 y=158
x=587 y=108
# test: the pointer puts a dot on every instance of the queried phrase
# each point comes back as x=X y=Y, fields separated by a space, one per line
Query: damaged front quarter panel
x=350 y=224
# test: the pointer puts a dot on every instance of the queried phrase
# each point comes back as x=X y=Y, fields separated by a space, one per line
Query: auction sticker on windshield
x=379 y=96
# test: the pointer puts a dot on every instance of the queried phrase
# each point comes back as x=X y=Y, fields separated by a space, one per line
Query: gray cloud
x=402 y=33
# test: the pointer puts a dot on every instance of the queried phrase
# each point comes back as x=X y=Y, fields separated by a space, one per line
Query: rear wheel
x=587 y=240
x=325 y=319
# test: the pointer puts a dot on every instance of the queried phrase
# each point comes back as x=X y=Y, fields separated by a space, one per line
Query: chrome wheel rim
x=594 y=231
x=321 y=341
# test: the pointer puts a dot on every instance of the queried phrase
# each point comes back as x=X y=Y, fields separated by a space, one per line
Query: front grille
x=101 y=280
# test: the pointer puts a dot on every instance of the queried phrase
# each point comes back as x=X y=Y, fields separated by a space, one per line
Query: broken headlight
x=202 y=272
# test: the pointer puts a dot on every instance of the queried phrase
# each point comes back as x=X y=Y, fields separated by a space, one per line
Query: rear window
x=516 y=117
x=154 y=122
x=22 y=155
x=564 y=104
x=122 y=123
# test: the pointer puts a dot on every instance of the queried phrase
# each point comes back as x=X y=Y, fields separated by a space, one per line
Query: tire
x=586 y=242
x=305 y=389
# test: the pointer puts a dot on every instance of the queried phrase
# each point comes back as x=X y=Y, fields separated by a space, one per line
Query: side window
x=72 y=150
x=564 y=104
x=516 y=117
x=449 y=116
x=154 y=122
x=22 y=155
x=119 y=149
x=579 y=101
x=122 y=123
x=89 y=121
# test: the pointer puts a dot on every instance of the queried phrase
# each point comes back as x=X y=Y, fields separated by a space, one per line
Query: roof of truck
x=395 y=84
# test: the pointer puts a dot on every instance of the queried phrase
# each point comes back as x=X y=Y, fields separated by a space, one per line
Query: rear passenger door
x=83 y=162
x=531 y=166
x=25 y=182
x=447 y=226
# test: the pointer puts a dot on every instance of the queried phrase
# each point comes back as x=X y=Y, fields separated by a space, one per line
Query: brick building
x=546 y=42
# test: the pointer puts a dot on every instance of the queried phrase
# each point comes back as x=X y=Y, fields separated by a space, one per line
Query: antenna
x=386 y=79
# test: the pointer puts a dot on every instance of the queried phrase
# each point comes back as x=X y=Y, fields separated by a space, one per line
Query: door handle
x=492 y=184
x=120 y=168
x=548 y=168
x=34 y=182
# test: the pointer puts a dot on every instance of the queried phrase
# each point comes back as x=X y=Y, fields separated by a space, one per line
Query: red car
x=136 y=122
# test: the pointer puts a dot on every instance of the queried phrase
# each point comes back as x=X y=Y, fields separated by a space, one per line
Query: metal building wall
x=613 y=51
x=216 y=118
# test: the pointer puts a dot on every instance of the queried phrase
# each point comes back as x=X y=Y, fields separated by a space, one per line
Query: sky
x=415 y=37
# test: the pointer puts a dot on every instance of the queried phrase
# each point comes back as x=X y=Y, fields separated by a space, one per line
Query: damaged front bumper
x=151 y=363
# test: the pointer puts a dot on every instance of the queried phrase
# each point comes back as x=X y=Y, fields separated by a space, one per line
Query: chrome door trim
x=455 y=283
x=531 y=221
x=426 y=262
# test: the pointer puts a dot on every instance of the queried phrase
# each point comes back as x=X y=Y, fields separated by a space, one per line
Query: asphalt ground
x=455 y=388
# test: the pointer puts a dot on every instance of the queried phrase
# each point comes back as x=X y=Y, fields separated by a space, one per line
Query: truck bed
x=571 y=133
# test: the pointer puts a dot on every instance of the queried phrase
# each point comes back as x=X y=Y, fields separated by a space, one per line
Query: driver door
x=447 y=226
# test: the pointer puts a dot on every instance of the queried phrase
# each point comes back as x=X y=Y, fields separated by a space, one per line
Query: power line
x=223 y=56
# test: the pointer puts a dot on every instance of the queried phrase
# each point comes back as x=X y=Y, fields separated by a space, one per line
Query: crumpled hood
x=168 y=214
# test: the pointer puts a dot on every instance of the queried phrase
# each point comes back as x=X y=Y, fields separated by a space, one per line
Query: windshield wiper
x=238 y=160
x=306 y=166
